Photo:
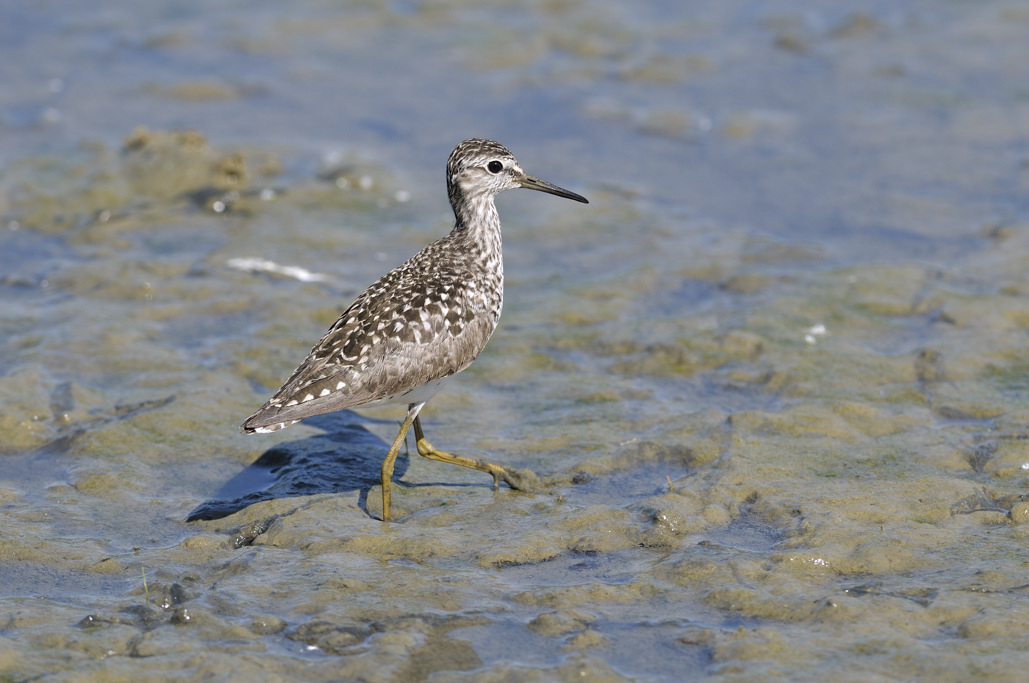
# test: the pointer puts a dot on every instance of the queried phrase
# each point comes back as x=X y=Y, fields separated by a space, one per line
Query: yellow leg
x=429 y=451
x=521 y=480
x=391 y=459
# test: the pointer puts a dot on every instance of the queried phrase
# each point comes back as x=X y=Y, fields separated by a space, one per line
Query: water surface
x=772 y=376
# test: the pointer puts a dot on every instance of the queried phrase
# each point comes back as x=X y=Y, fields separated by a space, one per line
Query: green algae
x=756 y=461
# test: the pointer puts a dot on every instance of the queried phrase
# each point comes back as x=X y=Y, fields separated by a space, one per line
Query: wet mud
x=759 y=456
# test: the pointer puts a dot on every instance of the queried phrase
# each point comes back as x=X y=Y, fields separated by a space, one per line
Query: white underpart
x=419 y=394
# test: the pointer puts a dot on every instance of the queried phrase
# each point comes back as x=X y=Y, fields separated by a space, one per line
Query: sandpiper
x=421 y=323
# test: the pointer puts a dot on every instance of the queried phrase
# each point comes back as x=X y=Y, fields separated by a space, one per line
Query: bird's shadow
x=345 y=457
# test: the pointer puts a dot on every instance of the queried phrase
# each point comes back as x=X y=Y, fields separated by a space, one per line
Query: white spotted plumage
x=422 y=322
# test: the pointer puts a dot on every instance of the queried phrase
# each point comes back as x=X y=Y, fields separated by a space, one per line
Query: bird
x=408 y=334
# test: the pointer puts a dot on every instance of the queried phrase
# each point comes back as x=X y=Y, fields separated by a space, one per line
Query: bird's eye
x=494 y=167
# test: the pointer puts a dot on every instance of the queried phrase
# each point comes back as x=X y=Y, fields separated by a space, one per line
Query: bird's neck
x=477 y=229
x=478 y=223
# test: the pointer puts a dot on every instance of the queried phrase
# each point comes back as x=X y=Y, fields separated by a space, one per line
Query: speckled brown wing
x=421 y=322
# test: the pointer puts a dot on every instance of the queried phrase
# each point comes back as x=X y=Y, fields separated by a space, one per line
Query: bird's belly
x=420 y=394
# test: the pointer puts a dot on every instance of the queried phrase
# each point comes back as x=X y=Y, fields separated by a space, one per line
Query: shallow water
x=772 y=377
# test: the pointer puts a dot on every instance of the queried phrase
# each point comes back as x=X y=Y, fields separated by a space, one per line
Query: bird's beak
x=530 y=183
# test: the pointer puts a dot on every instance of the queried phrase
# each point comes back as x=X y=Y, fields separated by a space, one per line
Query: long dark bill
x=530 y=183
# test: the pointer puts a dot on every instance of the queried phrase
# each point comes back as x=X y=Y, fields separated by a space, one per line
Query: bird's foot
x=517 y=479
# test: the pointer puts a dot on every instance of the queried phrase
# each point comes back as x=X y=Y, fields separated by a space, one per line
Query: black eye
x=494 y=167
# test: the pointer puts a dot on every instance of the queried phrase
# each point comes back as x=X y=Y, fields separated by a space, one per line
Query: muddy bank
x=773 y=380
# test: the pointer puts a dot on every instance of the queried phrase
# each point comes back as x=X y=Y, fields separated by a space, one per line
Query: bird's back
x=421 y=322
